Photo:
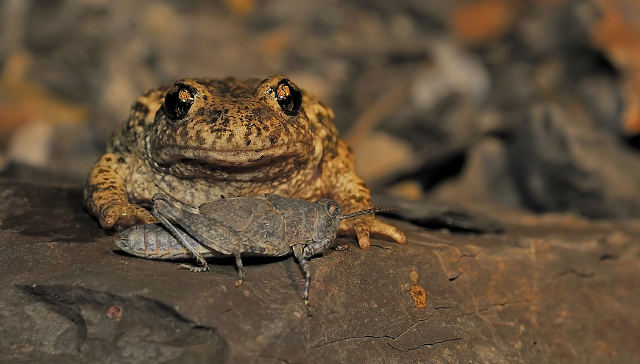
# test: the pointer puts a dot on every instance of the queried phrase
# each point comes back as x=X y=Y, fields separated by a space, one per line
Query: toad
x=206 y=139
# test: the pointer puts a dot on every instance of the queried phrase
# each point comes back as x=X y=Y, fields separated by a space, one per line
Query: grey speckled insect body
x=269 y=225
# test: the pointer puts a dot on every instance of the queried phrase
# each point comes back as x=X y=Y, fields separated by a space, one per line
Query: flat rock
x=549 y=288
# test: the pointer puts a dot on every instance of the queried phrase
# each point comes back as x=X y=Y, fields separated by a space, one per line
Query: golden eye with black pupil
x=289 y=97
x=177 y=102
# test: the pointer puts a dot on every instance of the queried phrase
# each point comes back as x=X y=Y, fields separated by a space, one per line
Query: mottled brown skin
x=234 y=140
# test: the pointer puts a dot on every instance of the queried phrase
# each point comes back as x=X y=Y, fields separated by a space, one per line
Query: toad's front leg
x=352 y=195
x=363 y=226
x=106 y=198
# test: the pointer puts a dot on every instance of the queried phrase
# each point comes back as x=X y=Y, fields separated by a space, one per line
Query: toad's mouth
x=235 y=165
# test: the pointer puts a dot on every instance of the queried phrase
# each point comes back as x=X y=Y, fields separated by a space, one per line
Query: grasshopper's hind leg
x=185 y=242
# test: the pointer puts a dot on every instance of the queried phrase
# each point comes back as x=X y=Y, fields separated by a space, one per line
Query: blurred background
x=520 y=104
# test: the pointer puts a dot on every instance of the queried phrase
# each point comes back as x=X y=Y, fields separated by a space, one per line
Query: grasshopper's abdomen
x=151 y=241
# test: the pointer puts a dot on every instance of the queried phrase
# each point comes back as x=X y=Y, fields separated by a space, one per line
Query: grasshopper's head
x=328 y=215
x=328 y=218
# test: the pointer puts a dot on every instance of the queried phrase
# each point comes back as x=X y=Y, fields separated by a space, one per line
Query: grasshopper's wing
x=208 y=232
x=197 y=226
x=228 y=229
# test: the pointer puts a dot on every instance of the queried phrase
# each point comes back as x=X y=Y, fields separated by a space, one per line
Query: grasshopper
x=268 y=225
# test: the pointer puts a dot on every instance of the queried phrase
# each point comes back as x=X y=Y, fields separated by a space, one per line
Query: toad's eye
x=289 y=97
x=178 y=101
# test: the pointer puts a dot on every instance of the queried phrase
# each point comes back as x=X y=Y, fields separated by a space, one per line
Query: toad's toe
x=122 y=216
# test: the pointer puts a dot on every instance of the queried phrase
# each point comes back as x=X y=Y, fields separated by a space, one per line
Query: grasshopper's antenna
x=372 y=210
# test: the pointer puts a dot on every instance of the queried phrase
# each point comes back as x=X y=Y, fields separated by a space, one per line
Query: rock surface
x=550 y=288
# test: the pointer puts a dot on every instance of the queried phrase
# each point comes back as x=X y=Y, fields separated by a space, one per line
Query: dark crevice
x=450 y=165
x=634 y=141
x=499 y=304
x=61 y=305
x=354 y=338
x=451 y=279
x=425 y=344
x=606 y=256
x=575 y=272
x=390 y=344
x=381 y=247
x=412 y=326
x=392 y=338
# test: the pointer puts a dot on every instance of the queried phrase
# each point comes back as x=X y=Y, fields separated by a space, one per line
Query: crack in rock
x=425 y=344
x=393 y=338
x=575 y=272
x=451 y=279
x=494 y=305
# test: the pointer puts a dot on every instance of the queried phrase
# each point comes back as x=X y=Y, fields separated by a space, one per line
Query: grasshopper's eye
x=289 y=97
x=178 y=101
x=332 y=208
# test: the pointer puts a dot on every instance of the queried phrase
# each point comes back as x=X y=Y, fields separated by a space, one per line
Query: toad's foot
x=122 y=216
x=193 y=268
x=366 y=225
x=105 y=196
